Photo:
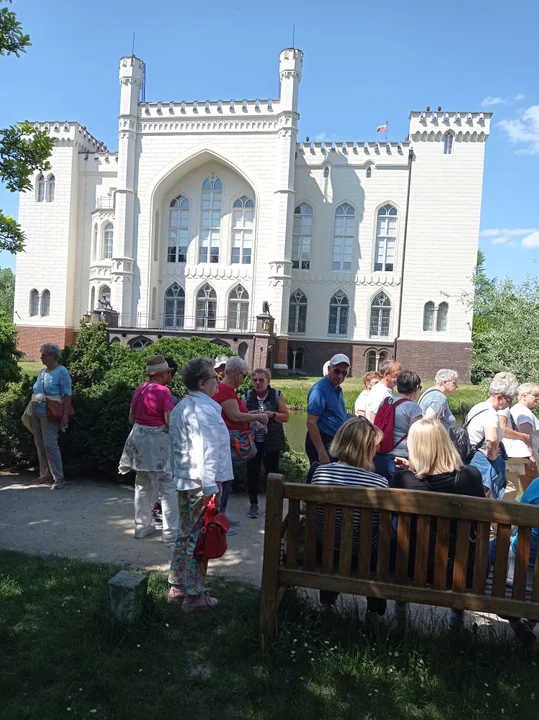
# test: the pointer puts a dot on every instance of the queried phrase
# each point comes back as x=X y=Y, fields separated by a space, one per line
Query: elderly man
x=326 y=411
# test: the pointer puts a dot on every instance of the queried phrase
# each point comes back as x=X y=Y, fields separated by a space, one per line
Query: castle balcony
x=105 y=202
x=200 y=324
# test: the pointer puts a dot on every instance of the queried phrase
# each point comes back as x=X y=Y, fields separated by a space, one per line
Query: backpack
x=461 y=440
x=385 y=421
x=211 y=541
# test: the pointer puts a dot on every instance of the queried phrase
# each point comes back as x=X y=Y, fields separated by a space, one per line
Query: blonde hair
x=528 y=388
x=430 y=449
x=371 y=375
x=356 y=443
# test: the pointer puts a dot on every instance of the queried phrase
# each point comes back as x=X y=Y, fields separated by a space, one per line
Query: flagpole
x=387 y=125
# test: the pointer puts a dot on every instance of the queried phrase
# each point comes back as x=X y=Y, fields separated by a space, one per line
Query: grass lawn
x=61 y=658
x=295 y=391
x=31 y=367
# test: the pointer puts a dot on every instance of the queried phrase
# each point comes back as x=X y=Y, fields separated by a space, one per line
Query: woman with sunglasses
x=235 y=413
x=269 y=440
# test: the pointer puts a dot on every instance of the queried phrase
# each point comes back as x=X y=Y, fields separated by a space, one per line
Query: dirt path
x=93 y=520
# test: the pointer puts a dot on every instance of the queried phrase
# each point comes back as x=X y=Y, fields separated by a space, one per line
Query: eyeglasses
x=256 y=380
x=340 y=373
x=419 y=388
x=508 y=398
x=211 y=377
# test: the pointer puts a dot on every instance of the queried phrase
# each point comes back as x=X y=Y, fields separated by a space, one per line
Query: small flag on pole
x=382 y=128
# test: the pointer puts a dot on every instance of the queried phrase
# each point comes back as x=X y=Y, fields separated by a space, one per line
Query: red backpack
x=211 y=542
x=385 y=420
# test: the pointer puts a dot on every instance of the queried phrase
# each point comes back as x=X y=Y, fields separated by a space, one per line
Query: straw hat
x=156 y=364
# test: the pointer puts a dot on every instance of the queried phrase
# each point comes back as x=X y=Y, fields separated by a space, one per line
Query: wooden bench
x=454 y=515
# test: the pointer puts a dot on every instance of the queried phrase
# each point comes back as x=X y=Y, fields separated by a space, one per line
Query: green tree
x=23 y=150
x=7 y=291
x=9 y=355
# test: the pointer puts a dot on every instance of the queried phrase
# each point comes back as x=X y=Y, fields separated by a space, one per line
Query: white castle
x=213 y=219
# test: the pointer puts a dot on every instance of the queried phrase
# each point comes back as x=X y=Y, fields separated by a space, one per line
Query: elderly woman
x=434 y=403
x=269 y=440
x=201 y=463
x=235 y=414
x=355 y=445
x=486 y=434
x=44 y=419
x=369 y=380
x=147 y=451
x=520 y=436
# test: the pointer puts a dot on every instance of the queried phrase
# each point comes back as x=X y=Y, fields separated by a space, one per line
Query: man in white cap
x=326 y=411
x=219 y=366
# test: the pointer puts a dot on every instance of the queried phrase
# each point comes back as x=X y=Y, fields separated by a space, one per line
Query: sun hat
x=220 y=360
x=156 y=364
x=339 y=358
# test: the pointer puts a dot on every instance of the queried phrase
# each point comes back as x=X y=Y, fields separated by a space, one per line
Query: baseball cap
x=220 y=360
x=325 y=368
x=339 y=358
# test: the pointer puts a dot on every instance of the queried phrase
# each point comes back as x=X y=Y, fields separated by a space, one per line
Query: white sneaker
x=144 y=532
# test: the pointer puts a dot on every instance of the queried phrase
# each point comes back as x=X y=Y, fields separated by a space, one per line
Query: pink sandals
x=203 y=601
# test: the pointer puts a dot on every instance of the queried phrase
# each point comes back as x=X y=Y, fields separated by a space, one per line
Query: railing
x=176 y=323
x=104 y=203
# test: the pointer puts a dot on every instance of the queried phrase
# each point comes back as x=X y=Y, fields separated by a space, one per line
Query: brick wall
x=32 y=338
x=426 y=358
x=281 y=351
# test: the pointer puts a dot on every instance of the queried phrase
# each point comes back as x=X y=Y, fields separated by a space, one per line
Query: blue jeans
x=225 y=495
x=492 y=473
x=385 y=465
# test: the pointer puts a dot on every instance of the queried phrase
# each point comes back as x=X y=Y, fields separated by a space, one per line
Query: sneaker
x=253 y=511
x=233 y=523
x=58 y=484
x=231 y=531
x=144 y=532
x=522 y=631
x=157 y=516
x=45 y=479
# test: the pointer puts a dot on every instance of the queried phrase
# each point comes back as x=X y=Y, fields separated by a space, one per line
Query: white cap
x=339 y=358
x=325 y=368
x=220 y=360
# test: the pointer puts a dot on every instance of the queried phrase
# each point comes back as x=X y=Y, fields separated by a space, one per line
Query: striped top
x=338 y=474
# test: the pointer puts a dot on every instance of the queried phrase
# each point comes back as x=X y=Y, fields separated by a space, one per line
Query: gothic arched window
x=343 y=237
x=386 y=238
x=338 y=314
x=302 y=236
x=238 y=309
x=51 y=187
x=380 y=316
x=40 y=188
x=210 y=220
x=108 y=241
x=45 y=303
x=441 y=317
x=174 y=306
x=428 y=317
x=178 y=230
x=297 y=313
x=206 y=308
x=448 y=144
x=242 y=231
x=34 y=302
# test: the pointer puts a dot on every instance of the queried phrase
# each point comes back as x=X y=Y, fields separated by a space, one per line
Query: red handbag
x=211 y=543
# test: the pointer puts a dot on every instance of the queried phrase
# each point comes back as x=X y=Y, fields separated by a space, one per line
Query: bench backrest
x=459 y=582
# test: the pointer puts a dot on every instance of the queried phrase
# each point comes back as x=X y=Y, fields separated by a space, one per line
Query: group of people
x=409 y=441
x=187 y=450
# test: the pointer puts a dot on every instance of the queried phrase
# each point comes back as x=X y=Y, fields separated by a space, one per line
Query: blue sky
x=363 y=64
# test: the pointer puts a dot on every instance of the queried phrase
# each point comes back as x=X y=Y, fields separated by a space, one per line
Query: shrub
x=9 y=355
x=16 y=442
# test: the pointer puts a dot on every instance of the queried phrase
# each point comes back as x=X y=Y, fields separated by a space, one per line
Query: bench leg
x=272 y=552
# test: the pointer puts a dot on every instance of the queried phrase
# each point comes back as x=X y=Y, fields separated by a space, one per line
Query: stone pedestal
x=126 y=596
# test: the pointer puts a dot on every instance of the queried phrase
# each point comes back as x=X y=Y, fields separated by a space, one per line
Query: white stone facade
x=104 y=233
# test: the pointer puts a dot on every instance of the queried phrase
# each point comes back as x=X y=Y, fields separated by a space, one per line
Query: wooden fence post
x=272 y=554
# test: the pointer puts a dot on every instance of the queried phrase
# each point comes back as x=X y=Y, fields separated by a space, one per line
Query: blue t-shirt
x=55 y=382
x=531 y=497
x=327 y=403
x=437 y=401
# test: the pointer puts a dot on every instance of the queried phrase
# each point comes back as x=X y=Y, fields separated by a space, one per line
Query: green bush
x=9 y=355
x=16 y=442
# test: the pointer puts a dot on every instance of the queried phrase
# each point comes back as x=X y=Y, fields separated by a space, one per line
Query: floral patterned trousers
x=186 y=573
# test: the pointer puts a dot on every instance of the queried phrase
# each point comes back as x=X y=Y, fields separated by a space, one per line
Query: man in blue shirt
x=326 y=411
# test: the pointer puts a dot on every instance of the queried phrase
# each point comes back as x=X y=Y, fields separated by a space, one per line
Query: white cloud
x=531 y=241
x=524 y=130
x=488 y=101
x=518 y=97
x=528 y=237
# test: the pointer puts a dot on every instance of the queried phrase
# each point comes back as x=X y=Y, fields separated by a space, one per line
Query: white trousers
x=148 y=485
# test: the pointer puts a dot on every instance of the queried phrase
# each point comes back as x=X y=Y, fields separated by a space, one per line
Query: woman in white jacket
x=201 y=462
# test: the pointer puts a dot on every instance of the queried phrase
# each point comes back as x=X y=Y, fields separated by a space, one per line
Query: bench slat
x=403 y=549
x=521 y=563
x=460 y=565
x=422 y=550
x=384 y=536
x=503 y=536
x=418 y=502
x=309 y=553
x=441 y=554
x=328 y=542
x=292 y=534
x=347 y=536
x=365 y=543
x=535 y=595
x=481 y=563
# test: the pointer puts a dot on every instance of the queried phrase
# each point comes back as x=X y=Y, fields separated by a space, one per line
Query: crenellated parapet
x=428 y=125
x=70 y=134
x=213 y=108
x=323 y=150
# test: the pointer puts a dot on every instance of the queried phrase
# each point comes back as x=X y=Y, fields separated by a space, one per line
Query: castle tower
x=131 y=78
x=290 y=66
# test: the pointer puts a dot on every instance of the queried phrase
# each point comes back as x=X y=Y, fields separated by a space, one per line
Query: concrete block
x=126 y=596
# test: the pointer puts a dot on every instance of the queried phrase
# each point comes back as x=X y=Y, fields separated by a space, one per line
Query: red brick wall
x=280 y=356
x=32 y=338
x=426 y=358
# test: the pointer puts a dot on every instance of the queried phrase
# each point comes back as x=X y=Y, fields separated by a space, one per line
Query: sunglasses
x=255 y=380
x=340 y=373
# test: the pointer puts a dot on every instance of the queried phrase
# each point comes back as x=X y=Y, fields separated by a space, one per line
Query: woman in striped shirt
x=355 y=444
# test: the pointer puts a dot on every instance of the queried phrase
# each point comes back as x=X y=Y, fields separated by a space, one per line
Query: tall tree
x=23 y=150
x=7 y=291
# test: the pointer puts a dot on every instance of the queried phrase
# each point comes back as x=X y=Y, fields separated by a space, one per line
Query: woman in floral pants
x=201 y=462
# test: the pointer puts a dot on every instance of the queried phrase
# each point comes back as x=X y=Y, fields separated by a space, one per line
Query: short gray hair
x=51 y=349
x=195 y=370
x=528 y=388
x=504 y=383
x=264 y=371
x=235 y=364
x=445 y=375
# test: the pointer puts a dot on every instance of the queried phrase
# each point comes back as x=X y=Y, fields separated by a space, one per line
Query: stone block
x=126 y=596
